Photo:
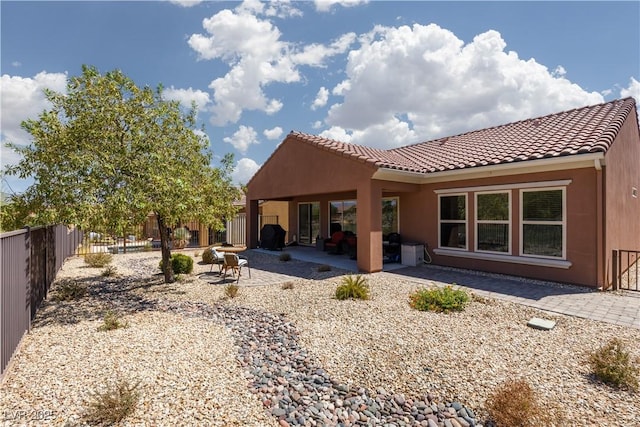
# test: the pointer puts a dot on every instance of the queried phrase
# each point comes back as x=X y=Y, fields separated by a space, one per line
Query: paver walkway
x=621 y=308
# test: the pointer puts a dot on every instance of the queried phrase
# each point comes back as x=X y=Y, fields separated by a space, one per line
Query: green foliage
x=113 y=405
x=613 y=365
x=207 y=256
x=110 y=271
x=68 y=290
x=353 y=287
x=98 y=259
x=107 y=153
x=324 y=267
x=439 y=299
x=231 y=290
x=515 y=404
x=180 y=263
x=285 y=256
x=112 y=322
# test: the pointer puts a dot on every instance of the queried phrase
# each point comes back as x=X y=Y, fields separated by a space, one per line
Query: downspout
x=601 y=273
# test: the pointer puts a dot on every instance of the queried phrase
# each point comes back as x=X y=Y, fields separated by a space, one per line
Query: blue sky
x=376 y=73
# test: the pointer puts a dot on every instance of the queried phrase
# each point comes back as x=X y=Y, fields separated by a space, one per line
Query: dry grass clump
x=111 y=322
x=98 y=259
x=515 y=404
x=110 y=271
x=231 y=290
x=285 y=256
x=69 y=290
x=613 y=365
x=287 y=285
x=114 y=404
x=323 y=268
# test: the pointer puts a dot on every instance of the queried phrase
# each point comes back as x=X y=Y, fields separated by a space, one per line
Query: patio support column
x=369 y=220
x=252 y=223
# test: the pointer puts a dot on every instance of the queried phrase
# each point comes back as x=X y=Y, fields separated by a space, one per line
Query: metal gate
x=626 y=270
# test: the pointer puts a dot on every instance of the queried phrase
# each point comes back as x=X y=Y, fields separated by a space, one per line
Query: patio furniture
x=391 y=247
x=234 y=263
x=334 y=244
x=272 y=237
x=218 y=259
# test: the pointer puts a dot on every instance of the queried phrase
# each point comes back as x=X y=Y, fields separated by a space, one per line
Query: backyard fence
x=31 y=257
x=626 y=270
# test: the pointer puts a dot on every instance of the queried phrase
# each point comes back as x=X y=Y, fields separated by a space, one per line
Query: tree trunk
x=167 y=269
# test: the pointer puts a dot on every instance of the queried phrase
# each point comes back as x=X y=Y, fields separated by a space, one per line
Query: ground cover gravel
x=204 y=359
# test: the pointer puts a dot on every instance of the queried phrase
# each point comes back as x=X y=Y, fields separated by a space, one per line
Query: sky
x=377 y=73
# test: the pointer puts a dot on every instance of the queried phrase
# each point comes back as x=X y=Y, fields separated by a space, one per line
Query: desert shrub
x=98 y=259
x=439 y=299
x=181 y=264
x=231 y=290
x=324 y=267
x=68 y=290
x=114 y=404
x=207 y=256
x=353 y=287
x=613 y=365
x=285 y=256
x=112 y=321
x=515 y=404
x=109 y=271
x=287 y=285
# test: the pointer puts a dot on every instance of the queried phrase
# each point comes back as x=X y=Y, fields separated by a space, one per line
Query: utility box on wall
x=412 y=254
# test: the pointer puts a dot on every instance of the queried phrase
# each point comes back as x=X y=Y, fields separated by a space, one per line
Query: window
x=389 y=216
x=543 y=222
x=453 y=221
x=343 y=212
x=493 y=213
x=308 y=222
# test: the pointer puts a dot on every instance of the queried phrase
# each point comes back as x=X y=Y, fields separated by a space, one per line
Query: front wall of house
x=622 y=175
x=419 y=223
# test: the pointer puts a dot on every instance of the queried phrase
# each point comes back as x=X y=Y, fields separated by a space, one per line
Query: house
x=546 y=198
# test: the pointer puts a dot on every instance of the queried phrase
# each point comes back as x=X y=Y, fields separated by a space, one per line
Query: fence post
x=614 y=261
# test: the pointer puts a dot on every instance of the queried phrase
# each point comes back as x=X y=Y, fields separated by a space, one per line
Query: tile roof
x=580 y=131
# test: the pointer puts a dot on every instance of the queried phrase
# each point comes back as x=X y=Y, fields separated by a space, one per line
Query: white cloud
x=321 y=98
x=186 y=3
x=422 y=82
x=16 y=64
x=325 y=5
x=257 y=57
x=243 y=138
x=244 y=170
x=186 y=96
x=632 y=90
x=274 y=133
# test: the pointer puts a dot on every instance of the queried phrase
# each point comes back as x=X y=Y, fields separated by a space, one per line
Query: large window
x=493 y=211
x=390 y=216
x=453 y=221
x=343 y=212
x=308 y=222
x=543 y=222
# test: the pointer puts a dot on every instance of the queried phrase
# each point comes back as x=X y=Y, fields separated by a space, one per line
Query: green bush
x=181 y=264
x=285 y=256
x=353 y=287
x=613 y=365
x=113 y=405
x=98 y=259
x=68 y=290
x=439 y=299
x=110 y=271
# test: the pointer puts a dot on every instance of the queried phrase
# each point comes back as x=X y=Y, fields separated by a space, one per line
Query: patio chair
x=218 y=259
x=234 y=263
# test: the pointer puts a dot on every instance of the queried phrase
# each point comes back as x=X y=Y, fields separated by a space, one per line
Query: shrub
x=287 y=285
x=109 y=271
x=231 y=290
x=111 y=322
x=68 y=290
x=114 y=404
x=324 y=267
x=353 y=287
x=439 y=299
x=515 y=404
x=181 y=264
x=207 y=256
x=612 y=364
x=98 y=259
x=285 y=256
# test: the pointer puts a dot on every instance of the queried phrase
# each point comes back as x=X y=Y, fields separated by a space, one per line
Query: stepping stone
x=543 y=324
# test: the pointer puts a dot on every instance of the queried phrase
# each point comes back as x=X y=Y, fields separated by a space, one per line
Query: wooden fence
x=30 y=258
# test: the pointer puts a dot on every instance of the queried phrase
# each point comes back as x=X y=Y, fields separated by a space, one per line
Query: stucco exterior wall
x=621 y=175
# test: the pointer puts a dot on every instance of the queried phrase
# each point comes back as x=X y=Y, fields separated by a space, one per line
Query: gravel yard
x=190 y=371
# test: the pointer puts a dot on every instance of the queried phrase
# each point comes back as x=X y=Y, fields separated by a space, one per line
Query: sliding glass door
x=308 y=222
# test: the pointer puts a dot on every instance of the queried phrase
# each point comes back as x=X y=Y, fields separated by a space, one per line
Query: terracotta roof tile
x=579 y=131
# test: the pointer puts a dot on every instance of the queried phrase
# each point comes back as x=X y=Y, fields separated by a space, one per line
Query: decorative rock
x=543 y=324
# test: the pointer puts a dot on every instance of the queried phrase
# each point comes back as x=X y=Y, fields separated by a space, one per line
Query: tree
x=108 y=153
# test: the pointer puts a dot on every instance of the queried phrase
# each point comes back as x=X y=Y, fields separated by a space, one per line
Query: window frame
x=563 y=223
x=449 y=221
x=342 y=201
x=397 y=199
x=508 y=222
